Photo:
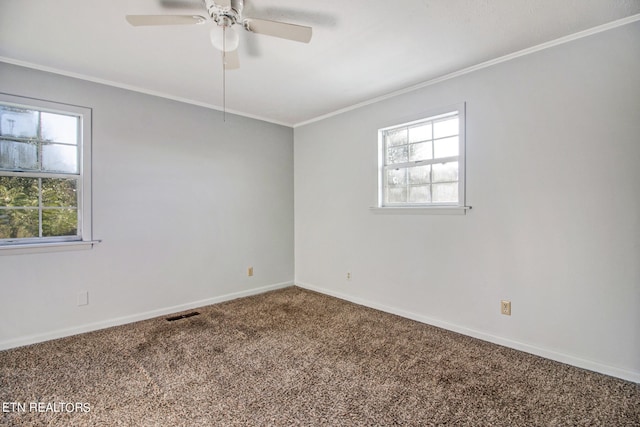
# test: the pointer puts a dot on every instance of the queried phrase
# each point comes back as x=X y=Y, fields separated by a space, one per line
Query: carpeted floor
x=295 y=357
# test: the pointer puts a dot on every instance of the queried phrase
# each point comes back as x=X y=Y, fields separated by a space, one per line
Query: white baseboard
x=61 y=333
x=548 y=354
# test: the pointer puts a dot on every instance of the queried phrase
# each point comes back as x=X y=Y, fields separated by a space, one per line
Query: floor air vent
x=182 y=316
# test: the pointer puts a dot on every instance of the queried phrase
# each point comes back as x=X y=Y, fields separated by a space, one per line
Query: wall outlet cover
x=505 y=307
x=83 y=298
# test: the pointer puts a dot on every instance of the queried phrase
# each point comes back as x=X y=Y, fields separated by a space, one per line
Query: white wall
x=183 y=204
x=553 y=171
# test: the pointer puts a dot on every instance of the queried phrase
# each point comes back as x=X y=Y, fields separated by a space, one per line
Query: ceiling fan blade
x=298 y=33
x=144 y=20
x=181 y=4
x=231 y=61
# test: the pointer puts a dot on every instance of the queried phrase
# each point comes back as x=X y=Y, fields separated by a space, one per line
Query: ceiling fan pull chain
x=224 y=74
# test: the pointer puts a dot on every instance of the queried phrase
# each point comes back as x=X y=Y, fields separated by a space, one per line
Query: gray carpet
x=295 y=357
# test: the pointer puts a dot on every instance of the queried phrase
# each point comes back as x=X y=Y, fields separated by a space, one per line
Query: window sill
x=35 y=248
x=421 y=210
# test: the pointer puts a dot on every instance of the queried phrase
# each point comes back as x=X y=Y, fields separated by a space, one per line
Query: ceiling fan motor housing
x=225 y=15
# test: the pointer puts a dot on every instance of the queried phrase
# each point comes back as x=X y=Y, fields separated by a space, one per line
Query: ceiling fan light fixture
x=225 y=39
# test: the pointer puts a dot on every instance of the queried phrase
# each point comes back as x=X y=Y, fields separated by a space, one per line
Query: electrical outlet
x=348 y=275
x=505 y=307
x=83 y=298
x=250 y=271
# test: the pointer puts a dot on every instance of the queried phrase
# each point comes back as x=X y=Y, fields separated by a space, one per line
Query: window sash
x=41 y=208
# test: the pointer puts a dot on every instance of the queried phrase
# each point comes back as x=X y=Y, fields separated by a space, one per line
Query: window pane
x=59 y=192
x=18 y=223
x=420 y=175
x=397 y=195
x=18 y=122
x=420 y=133
x=59 y=158
x=419 y=194
x=18 y=192
x=446 y=127
x=59 y=128
x=445 y=192
x=396 y=177
x=397 y=155
x=59 y=222
x=445 y=172
x=447 y=147
x=420 y=151
x=396 y=137
x=18 y=155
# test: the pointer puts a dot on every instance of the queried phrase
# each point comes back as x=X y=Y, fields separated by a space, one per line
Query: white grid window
x=421 y=163
x=45 y=184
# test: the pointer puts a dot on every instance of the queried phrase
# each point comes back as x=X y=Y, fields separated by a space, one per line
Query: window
x=45 y=187
x=421 y=163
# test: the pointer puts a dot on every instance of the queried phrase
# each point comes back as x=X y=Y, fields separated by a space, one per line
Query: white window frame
x=457 y=207
x=84 y=237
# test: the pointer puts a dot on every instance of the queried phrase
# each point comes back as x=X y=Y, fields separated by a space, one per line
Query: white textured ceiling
x=360 y=49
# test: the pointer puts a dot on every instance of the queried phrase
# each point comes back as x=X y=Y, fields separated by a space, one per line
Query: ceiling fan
x=226 y=14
